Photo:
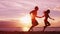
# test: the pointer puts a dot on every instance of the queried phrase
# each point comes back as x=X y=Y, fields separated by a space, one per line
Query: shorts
x=34 y=22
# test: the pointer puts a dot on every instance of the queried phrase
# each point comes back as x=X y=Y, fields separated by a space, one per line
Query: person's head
x=36 y=8
x=48 y=11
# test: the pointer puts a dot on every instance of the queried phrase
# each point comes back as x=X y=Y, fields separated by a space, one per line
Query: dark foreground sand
x=36 y=32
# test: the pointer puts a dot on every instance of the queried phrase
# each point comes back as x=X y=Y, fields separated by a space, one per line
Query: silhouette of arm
x=51 y=18
x=42 y=16
x=39 y=16
x=31 y=12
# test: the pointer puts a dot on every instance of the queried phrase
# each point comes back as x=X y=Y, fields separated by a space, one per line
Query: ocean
x=34 y=29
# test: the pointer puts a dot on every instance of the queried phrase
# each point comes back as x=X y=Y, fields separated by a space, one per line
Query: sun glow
x=26 y=21
x=25 y=29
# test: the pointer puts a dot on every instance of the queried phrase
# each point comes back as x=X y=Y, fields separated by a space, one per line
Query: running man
x=33 y=14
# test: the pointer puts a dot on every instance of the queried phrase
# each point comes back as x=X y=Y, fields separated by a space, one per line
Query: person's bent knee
x=49 y=24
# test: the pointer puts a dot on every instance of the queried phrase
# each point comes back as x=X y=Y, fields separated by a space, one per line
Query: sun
x=26 y=21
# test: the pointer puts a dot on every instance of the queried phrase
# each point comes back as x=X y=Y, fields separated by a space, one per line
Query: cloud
x=10 y=23
x=57 y=8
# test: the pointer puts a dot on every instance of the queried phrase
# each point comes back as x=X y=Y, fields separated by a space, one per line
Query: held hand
x=39 y=17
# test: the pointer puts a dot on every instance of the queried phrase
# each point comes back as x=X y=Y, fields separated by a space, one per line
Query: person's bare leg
x=31 y=28
x=44 y=28
x=47 y=24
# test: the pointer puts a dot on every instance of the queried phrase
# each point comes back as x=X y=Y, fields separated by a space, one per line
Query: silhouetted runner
x=46 y=15
x=33 y=14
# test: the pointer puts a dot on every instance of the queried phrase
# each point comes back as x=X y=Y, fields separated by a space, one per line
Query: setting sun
x=26 y=21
